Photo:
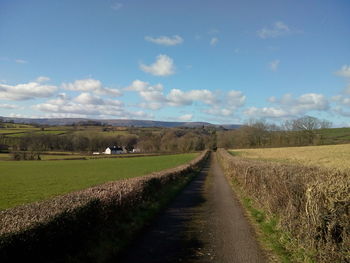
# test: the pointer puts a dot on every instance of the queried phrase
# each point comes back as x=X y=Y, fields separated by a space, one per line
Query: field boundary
x=305 y=208
x=56 y=230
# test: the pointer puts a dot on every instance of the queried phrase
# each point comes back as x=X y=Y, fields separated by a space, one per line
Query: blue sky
x=217 y=61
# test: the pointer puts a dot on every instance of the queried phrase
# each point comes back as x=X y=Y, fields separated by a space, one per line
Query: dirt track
x=205 y=223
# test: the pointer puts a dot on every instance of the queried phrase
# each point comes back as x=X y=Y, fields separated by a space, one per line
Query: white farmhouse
x=114 y=150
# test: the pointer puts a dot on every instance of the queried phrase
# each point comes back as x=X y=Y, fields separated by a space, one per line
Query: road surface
x=205 y=223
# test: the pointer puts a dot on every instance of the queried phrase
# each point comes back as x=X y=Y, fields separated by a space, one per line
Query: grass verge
x=276 y=240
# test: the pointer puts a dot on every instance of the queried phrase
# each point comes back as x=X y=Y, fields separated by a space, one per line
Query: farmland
x=331 y=156
x=29 y=181
x=280 y=185
x=19 y=130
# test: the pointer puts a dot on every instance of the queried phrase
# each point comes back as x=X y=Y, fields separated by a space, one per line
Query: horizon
x=222 y=62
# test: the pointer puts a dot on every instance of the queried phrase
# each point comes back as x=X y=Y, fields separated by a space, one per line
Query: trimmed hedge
x=64 y=228
x=312 y=203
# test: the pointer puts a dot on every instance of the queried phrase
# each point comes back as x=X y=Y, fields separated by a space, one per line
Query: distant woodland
x=92 y=137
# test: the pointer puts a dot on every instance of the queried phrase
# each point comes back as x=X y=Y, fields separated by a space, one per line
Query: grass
x=29 y=181
x=269 y=234
x=13 y=130
x=331 y=156
x=17 y=130
x=335 y=135
x=273 y=237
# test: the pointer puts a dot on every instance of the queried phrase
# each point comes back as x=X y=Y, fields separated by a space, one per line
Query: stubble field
x=330 y=156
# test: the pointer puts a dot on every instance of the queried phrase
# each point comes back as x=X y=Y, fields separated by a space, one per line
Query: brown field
x=310 y=202
x=331 y=156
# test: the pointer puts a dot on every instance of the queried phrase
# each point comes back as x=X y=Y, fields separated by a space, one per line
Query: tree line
x=161 y=140
x=256 y=134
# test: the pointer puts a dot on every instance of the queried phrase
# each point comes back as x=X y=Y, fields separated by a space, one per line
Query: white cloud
x=342 y=100
x=278 y=29
x=342 y=112
x=138 y=85
x=154 y=98
x=219 y=111
x=116 y=6
x=9 y=106
x=274 y=65
x=42 y=79
x=85 y=105
x=64 y=115
x=151 y=105
x=235 y=98
x=91 y=85
x=266 y=112
x=164 y=66
x=178 y=97
x=344 y=71
x=21 y=61
x=186 y=117
x=214 y=41
x=26 y=91
x=109 y=92
x=148 y=93
x=311 y=101
x=288 y=106
x=227 y=107
x=83 y=85
x=87 y=98
x=203 y=95
x=164 y=40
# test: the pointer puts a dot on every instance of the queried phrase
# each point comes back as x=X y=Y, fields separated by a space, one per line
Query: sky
x=222 y=61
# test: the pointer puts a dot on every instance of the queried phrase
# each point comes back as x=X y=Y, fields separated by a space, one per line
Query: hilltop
x=116 y=122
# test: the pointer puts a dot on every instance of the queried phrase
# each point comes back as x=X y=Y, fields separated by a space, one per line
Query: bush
x=18 y=156
x=312 y=203
x=66 y=227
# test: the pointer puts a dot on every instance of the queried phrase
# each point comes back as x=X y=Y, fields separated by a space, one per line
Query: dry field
x=311 y=203
x=331 y=156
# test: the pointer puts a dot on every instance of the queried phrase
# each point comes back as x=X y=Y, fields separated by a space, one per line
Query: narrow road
x=205 y=223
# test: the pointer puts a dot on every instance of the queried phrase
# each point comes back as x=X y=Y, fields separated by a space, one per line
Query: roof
x=115 y=148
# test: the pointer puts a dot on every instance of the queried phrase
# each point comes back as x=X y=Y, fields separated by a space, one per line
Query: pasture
x=19 y=130
x=331 y=156
x=29 y=181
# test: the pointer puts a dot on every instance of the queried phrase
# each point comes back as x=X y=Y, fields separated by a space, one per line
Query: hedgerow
x=67 y=227
x=311 y=203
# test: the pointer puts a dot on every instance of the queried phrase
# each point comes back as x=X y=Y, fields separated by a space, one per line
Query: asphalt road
x=205 y=223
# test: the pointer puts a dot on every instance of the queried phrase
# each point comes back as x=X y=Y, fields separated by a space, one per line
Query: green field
x=29 y=181
x=335 y=135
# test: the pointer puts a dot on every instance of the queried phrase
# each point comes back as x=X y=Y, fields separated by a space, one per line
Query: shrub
x=312 y=203
x=66 y=227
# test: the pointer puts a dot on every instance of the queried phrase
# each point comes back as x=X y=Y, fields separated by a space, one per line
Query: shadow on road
x=168 y=238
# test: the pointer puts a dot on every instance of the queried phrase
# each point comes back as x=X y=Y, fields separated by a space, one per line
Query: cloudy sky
x=222 y=61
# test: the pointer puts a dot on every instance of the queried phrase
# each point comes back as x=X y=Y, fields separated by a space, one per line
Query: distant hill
x=117 y=122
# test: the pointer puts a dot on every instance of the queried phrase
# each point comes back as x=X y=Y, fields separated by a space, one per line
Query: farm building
x=114 y=150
